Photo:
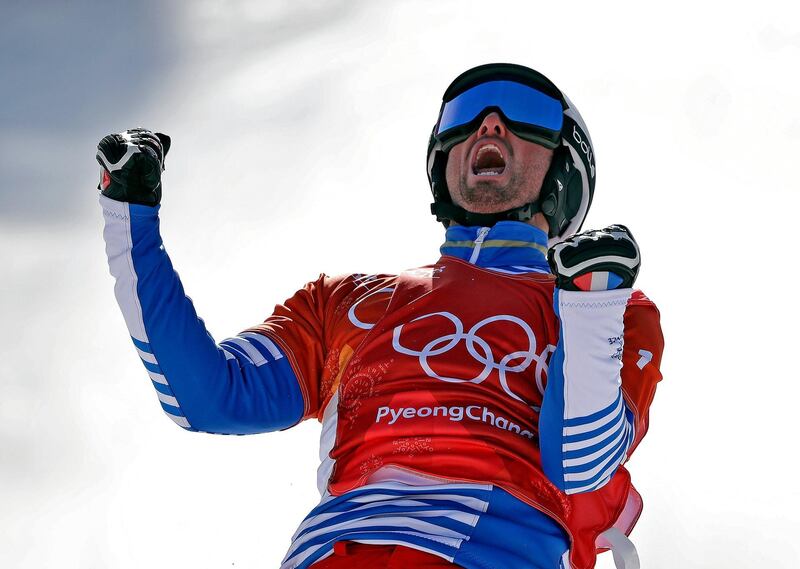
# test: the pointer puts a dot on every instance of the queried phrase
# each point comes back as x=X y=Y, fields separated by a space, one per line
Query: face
x=494 y=170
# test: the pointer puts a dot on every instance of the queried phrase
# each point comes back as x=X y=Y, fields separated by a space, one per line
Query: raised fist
x=602 y=259
x=132 y=163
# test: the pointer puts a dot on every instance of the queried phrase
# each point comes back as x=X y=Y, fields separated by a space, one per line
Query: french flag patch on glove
x=598 y=280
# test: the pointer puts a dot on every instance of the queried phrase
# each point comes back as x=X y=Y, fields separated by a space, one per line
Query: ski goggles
x=529 y=113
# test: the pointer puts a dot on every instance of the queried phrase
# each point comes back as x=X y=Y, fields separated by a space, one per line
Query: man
x=475 y=412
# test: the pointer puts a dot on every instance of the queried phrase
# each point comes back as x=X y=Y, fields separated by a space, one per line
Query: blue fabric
x=144 y=346
x=340 y=503
x=512 y=534
x=152 y=367
x=519 y=103
x=215 y=394
x=614 y=280
x=529 y=247
x=614 y=451
x=171 y=409
x=596 y=432
x=503 y=533
x=161 y=388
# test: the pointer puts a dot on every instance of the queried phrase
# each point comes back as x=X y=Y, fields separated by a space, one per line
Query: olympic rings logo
x=351 y=314
x=480 y=350
x=423 y=272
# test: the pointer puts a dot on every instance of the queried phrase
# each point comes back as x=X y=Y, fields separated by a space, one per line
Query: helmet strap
x=445 y=212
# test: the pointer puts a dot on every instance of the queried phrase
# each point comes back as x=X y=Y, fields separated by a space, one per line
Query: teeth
x=488 y=165
x=488 y=148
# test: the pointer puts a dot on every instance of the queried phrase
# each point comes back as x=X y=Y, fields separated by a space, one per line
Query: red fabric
x=641 y=360
x=365 y=336
x=348 y=555
x=316 y=330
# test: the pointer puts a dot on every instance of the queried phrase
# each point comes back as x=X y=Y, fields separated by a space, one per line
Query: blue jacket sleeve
x=585 y=425
x=243 y=385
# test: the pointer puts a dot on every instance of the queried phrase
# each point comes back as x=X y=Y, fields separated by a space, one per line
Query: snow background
x=299 y=130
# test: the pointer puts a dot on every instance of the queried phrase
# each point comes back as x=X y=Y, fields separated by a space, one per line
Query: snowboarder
x=476 y=412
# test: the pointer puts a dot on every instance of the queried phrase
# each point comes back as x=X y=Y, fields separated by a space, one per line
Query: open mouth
x=488 y=161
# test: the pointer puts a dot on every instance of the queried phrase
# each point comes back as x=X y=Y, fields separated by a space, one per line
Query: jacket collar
x=505 y=245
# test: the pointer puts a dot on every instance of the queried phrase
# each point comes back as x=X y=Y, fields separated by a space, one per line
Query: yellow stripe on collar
x=498 y=243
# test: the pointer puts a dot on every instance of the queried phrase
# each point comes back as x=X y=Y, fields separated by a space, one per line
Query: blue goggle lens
x=518 y=102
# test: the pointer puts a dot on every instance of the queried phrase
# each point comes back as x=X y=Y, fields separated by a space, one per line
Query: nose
x=492 y=125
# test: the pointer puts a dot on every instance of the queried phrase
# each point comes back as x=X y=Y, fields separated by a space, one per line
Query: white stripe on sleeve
x=264 y=341
x=254 y=354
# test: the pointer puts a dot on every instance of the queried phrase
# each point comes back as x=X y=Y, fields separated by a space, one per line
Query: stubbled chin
x=485 y=198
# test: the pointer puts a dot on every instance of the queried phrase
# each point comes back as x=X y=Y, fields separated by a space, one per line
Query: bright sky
x=299 y=131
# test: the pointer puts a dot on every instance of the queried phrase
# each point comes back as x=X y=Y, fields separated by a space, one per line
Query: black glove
x=596 y=260
x=132 y=163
